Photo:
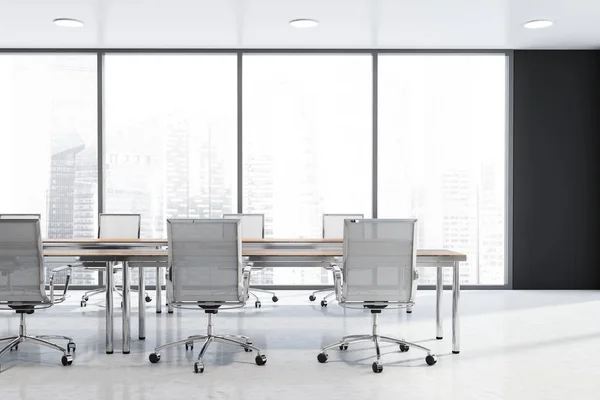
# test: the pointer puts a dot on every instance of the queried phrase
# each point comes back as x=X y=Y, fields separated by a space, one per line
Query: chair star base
x=377 y=339
x=14 y=341
x=235 y=340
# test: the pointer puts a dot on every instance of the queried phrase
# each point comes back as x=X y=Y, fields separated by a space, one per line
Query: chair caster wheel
x=198 y=367
x=404 y=348
x=260 y=359
x=148 y=299
x=377 y=367
x=71 y=347
x=67 y=360
x=247 y=350
x=257 y=304
x=408 y=311
x=322 y=357
x=154 y=358
x=312 y=297
x=83 y=303
x=275 y=299
x=86 y=298
x=15 y=347
x=430 y=359
x=323 y=303
x=343 y=347
x=189 y=346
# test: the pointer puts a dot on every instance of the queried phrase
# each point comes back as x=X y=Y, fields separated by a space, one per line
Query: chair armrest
x=54 y=271
x=246 y=280
x=337 y=280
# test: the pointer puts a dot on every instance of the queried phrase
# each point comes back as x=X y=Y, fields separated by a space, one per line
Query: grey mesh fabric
x=252 y=224
x=119 y=226
x=21 y=262
x=333 y=224
x=379 y=260
x=205 y=256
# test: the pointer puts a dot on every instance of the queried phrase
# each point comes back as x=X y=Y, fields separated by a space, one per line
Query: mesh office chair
x=206 y=271
x=253 y=227
x=379 y=272
x=333 y=228
x=115 y=226
x=22 y=282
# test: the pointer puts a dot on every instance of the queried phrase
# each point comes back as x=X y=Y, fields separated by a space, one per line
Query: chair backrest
x=333 y=224
x=253 y=225
x=380 y=260
x=119 y=226
x=19 y=216
x=21 y=262
x=205 y=257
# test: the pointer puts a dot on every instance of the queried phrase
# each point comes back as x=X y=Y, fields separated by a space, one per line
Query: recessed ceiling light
x=68 y=22
x=538 y=24
x=304 y=23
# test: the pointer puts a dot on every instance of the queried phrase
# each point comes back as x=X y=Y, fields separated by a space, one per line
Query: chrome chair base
x=236 y=340
x=257 y=303
x=377 y=339
x=312 y=296
x=14 y=341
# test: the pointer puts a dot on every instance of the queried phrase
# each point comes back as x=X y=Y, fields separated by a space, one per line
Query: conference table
x=276 y=253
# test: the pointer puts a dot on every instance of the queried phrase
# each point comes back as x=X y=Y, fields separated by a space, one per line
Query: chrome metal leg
x=439 y=289
x=158 y=290
x=181 y=342
x=240 y=337
x=329 y=295
x=126 y=309
x=46 y=343
x=327 y=289
x=377 y=350
x=141 y=305
x=400 y=341
x=455 y=312
x=204 y=347
x=253 y=295
x=54 y=337
x=262 y=291
x=355 y=337
x=9 y=346
x=91 y=293
x=109 y=308
x=8 y=338
x=365 y=338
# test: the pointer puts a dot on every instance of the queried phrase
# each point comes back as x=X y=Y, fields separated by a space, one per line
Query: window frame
x=508 y=184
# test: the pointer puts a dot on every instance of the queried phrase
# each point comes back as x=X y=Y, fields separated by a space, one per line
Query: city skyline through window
x=170 y=134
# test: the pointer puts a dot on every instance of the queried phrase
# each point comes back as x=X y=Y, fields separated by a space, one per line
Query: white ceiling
x=400 y=24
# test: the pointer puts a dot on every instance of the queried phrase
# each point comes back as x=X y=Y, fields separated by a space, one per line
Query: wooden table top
x=141 y=252
x=164 y=241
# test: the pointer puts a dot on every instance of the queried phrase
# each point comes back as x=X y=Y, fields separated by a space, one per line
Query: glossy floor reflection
x=515 y=345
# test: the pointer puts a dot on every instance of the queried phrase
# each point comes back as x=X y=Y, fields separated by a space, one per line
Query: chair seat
x=22 y=309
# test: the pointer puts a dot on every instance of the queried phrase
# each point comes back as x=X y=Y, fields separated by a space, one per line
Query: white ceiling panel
x=400 y=24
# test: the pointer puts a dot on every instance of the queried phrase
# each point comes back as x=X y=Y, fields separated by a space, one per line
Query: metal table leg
x=126 y=309
x=439 y=289
x=109 y=307
x=142 y=305
x=455 y=313
x=158 y=289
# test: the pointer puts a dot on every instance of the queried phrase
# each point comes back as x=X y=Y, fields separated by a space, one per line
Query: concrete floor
x=514 y=345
